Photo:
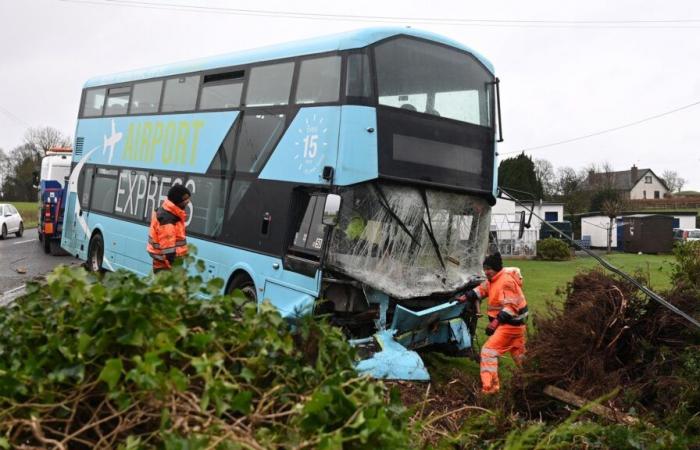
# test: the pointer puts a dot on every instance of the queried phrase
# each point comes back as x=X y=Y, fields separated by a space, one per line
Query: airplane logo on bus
x=110 y=142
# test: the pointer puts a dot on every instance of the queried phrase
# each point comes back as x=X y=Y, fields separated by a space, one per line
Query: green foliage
x=553 y=249
x=92 y=361
x=519 y=173
x=686 y=269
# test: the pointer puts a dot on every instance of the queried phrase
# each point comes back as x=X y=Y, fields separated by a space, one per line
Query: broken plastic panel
x=409 y=241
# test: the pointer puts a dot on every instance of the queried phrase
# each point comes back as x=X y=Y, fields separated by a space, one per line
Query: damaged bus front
x=395 y=260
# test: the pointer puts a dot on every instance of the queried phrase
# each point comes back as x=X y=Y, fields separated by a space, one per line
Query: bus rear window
x=180 y=94
x=94 y=101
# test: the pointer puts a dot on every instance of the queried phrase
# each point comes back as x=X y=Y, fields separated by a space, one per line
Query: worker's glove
x=491 y=327
x=469 y=295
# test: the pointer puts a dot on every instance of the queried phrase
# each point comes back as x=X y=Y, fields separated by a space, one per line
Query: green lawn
x=29 y=212
x=541 y=279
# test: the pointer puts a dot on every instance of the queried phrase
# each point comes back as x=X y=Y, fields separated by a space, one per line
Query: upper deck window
x=433 y=79
x=358 y=79
x=146 y=97
x=221 y=91
x=180 y=94
x=319 y=80
x=117 y=100
x=94 y=101
x=270 y=85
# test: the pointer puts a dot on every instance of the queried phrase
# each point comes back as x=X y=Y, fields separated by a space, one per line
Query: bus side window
x=208 y=201
x=222 y=90
x=319 y=80
x=94 y=102
x=84 y=186
x=308 y=236
x=270 y=85
x=146 y=97
x=117 y=101
x=105 y=190
x=358 y=79
x=259 y=135
x=180 y=94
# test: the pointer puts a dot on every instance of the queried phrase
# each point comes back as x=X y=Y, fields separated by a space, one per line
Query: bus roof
x=336 y=42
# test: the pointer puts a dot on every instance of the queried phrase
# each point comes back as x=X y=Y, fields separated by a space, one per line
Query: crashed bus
x=350 y=175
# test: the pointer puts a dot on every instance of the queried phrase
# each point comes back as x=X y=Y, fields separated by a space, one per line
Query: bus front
x=411 y=238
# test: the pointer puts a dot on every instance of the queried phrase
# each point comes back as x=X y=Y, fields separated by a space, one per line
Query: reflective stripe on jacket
x=506 y=299
x=166 y=237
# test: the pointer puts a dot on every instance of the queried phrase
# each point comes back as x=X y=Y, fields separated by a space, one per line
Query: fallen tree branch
x=600 y=410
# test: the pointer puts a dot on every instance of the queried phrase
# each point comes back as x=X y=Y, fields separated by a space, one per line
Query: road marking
x=23 y=242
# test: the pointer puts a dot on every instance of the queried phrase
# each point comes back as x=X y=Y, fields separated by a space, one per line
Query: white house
x=634 y=184
x=505 y=223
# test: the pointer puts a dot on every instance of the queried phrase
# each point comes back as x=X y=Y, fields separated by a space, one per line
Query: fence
x=509 y=244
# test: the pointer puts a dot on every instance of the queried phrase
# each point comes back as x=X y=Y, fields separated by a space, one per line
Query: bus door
x=294 y=288
x=75 y=228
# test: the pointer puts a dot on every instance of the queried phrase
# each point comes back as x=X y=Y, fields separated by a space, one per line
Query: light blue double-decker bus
x=390 y=131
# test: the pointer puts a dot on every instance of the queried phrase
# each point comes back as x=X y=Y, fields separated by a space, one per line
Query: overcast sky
x=561 y=78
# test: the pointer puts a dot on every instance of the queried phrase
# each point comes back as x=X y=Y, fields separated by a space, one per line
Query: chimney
x=634 y=173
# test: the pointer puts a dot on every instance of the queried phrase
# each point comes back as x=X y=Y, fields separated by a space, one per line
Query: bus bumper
x=390 y=353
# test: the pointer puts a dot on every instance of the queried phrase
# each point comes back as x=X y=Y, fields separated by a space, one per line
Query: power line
x=609 y=130
x=14 y=117
x=499 y=23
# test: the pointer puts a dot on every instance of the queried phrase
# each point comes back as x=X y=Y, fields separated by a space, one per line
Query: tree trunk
x=610 y=227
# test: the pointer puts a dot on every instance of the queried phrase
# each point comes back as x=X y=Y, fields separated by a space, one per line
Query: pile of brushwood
x=115 y=361
x=609 y=337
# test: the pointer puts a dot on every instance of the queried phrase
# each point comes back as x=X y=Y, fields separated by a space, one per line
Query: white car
x=10 y=221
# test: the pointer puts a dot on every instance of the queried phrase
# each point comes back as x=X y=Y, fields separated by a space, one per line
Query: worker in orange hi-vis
x=507 y=312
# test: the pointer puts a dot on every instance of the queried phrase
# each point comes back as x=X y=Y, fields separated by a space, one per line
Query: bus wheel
x=95 y=253
x=47 y=244
x=243 y=282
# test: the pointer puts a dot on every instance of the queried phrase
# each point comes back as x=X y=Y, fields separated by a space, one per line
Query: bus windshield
x=409 y=241
x=433 y=79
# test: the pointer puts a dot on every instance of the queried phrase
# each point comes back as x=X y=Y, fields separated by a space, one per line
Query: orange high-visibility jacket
x=506 y=299
x=166 y=237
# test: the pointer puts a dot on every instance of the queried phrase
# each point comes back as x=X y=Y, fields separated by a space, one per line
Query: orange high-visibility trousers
x=507 y=338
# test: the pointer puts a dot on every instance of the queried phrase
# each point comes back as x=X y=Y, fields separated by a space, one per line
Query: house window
x=657 y=194
x=551 y=216
x=647 y=179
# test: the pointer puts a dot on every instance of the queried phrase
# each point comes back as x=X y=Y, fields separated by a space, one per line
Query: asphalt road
x=25 y=254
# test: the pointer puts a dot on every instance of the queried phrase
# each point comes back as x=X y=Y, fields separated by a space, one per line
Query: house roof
x=622 y=180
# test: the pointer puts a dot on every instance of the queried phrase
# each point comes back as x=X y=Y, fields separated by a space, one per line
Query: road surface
x=25 y=254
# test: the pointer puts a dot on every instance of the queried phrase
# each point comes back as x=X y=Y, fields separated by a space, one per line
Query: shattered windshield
x=409 y=241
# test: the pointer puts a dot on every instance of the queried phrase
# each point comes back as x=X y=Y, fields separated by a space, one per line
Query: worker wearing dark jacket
x=507 y=311
x=166 y=237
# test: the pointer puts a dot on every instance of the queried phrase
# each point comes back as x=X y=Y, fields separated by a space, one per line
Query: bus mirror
x=330 y=210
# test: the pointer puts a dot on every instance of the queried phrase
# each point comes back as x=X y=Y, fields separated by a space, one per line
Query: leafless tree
x=673 y=181
x=544 y=171
x=612 y=207
x=44 y=138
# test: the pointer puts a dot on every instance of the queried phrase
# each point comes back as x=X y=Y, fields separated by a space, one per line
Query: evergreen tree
x=519 y=174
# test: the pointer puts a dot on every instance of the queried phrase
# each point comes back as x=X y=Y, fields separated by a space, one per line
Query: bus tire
x=20 y=232
x=242 y=281
x=47 y=244
x=96 y=251
x=56 y=249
